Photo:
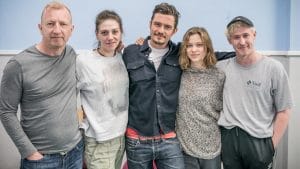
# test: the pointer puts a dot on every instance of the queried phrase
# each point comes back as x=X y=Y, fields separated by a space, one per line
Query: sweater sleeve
x=10 y=97
x=224 y=55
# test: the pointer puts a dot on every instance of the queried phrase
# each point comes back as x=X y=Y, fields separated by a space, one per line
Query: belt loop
x=63 y=153
x=138 y=140
x=237 y=131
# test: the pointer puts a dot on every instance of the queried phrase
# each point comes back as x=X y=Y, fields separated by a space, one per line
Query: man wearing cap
x=256 y=102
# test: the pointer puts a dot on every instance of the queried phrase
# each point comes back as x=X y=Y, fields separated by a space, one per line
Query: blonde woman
x=200 y=101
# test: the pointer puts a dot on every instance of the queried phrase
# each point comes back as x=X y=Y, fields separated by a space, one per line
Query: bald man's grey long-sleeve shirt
x=45 y=88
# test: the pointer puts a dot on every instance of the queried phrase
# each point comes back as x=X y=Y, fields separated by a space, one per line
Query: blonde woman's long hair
x=210 y=58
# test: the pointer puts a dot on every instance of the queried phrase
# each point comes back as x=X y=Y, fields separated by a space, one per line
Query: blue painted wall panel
x=19 y=20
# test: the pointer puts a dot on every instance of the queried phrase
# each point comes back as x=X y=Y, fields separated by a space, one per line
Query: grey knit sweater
x=200 y=103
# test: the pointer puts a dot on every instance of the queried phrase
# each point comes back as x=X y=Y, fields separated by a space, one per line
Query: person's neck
x=248 y=60
x=106 y=53
x=50 y=51
x=198 y=65
x=157 y=46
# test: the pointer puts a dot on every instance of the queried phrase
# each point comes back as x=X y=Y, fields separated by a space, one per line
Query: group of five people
x=163 y=102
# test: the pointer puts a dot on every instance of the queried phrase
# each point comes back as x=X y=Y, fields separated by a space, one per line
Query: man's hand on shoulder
x=140 y=41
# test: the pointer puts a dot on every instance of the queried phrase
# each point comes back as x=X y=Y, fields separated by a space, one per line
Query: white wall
x=294 y=126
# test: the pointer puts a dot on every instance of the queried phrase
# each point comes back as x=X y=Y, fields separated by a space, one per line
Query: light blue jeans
x=166 y=153
x=70 y=160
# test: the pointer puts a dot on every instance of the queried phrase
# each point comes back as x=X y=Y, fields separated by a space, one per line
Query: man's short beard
x=158 y=43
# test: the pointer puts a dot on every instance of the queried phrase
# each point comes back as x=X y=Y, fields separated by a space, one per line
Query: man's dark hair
x=166 y=9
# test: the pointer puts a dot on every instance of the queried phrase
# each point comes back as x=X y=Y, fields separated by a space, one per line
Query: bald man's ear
x=40 y=27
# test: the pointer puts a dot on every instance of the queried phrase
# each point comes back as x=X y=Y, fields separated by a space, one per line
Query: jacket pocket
x=138 y=71
x=171 y=71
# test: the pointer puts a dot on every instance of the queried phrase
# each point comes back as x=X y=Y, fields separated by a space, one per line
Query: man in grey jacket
x=41 y=79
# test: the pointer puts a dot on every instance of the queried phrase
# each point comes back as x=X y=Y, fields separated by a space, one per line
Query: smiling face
x=196 y=50
x=242 y=39
x=56 y=28
x=162 y=28
x=109 y=34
